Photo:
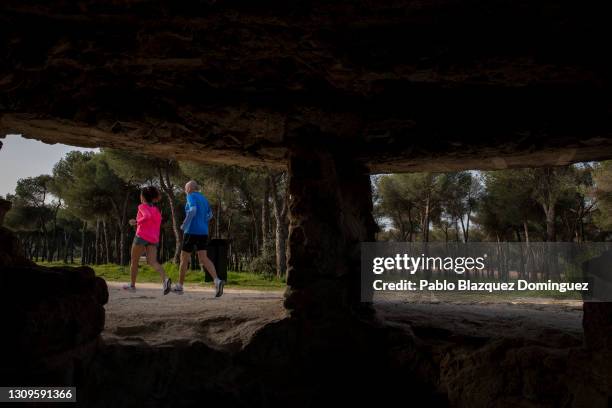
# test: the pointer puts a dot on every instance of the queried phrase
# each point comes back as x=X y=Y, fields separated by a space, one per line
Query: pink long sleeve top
x=148 y=221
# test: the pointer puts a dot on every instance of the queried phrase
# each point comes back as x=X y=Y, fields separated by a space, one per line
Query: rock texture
x=285 y=363
x=597 y=323
x=503 y=355
x=400 y=85
x=597 y=314
x=330 y=209
x=52 y=317
x=460 y=355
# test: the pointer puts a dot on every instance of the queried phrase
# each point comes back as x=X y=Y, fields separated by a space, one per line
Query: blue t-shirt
x=199 y=223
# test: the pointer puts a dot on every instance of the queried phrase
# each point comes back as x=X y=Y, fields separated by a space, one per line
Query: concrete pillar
x=330 y=214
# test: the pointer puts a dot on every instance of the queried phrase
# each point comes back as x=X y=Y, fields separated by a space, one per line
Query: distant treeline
x=81 y=210
x=568 y=203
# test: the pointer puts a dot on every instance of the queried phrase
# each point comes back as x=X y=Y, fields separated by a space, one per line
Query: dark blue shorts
x=143 y=242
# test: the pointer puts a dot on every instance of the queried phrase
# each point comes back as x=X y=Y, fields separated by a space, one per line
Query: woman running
x=148 y=221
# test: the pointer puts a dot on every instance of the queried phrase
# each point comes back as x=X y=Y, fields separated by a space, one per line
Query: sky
x=20 y=158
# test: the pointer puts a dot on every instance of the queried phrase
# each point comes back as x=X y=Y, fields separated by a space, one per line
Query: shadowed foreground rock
x=284 y=364
x=598 y=315
x=306 y=360
x=597 y=322
x=429 y=355
x=52 y=317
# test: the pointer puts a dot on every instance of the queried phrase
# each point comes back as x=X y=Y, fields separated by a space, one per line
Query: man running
x=195 y=227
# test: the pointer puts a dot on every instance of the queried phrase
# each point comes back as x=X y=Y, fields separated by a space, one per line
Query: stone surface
x=597 y=322
x=400 y=85
x=50 y=314
x=330 y=215
x=429 y=354
x=285 y=363
x=52 y=317
x=503 y=355
x=598 y=325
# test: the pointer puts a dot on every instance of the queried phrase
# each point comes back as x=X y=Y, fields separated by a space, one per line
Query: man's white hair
x=193 y=185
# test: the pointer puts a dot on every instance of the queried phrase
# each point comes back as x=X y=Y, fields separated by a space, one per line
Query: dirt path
x=553 y=324
x=227 y=322
x=147 y=316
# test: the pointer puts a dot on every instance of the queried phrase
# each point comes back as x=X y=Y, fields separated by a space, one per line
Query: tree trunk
x=67 y=242
x=280 y=217
x=229 y=224
x=54 y=246
x=521 y=271
x=178 y=235
x=410 y=224
x=168 y=190
x=97 y=248
x=466 y=230
x=400 y=223
x=426 y=221
x=37 y=248
x=457 y=230
x=162 y=247
x=106 y=246
x=83 y=243
x=529 y=257
x=122 y=251
x=116 y=246
x=253 y=213
x=265 y=215
x=45 y=239
x=121 y=219
x=218 y=218
x=550 y=223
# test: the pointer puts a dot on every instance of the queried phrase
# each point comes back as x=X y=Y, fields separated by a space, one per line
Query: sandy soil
x=226 y=322
x=555 y=324
x=147 y=316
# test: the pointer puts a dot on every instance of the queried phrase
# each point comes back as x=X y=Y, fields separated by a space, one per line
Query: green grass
x=238 y=280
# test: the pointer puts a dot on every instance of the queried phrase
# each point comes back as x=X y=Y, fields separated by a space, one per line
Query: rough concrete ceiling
x=402 y=85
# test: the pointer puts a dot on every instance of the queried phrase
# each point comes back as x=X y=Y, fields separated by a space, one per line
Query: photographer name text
x=471 y=286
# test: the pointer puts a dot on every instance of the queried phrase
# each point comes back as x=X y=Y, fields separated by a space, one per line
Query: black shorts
x=199 y=241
